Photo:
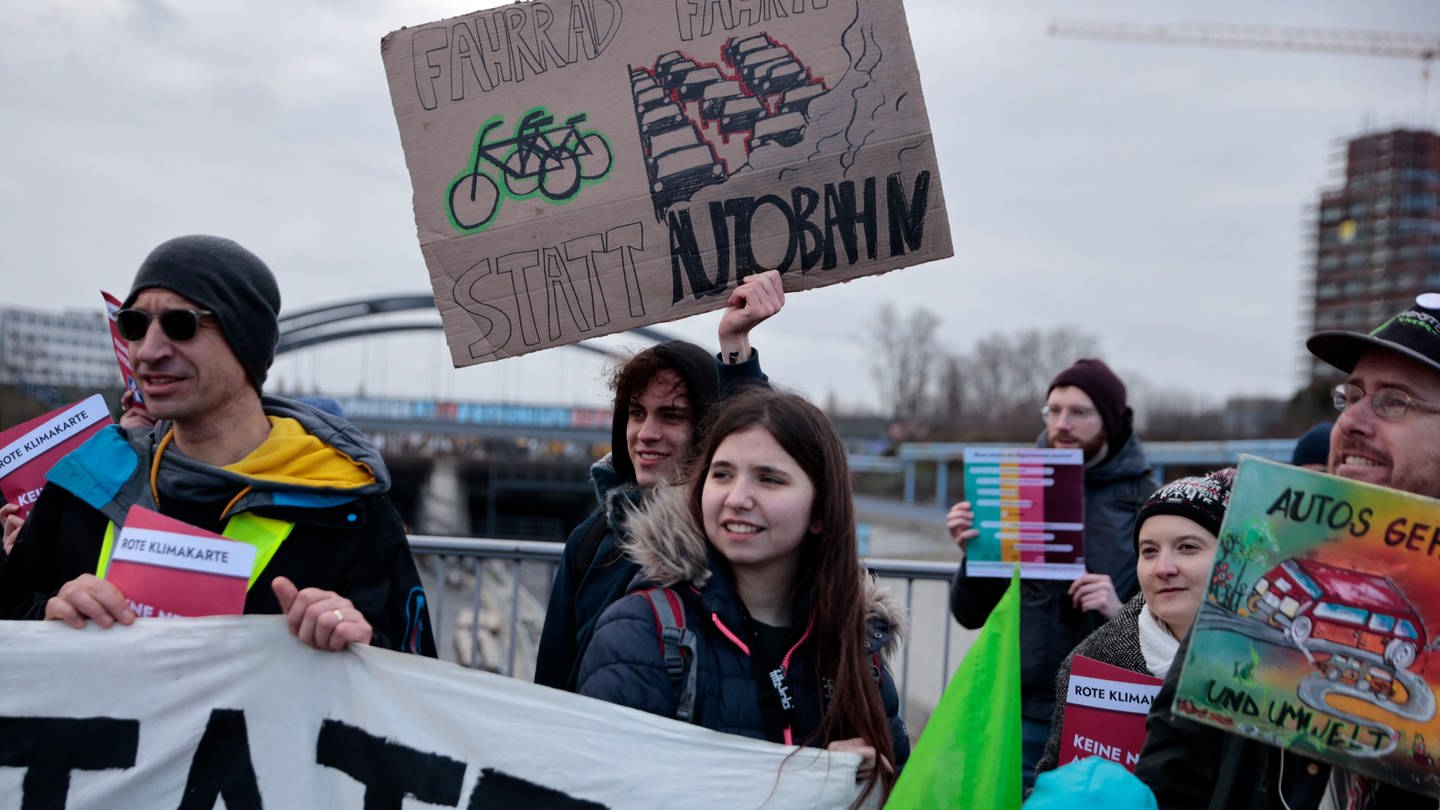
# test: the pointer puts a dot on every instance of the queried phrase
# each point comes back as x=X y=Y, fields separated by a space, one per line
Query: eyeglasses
x=177 y=324
x=1387 y=403
x=1049 y=412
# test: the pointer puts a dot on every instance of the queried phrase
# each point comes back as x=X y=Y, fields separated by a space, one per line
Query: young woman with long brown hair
x=759 y=548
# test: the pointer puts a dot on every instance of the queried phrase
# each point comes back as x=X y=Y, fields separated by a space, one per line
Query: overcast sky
x=1157 y=196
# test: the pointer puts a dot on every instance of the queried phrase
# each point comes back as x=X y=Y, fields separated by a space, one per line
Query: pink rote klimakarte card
x=122 y=349
x=166 y=567
x=30 y=449
x=1105 y=710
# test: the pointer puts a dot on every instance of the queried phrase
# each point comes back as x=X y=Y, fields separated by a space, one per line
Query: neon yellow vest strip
x=265 y=534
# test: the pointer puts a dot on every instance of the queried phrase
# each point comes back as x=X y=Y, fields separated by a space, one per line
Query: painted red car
x=1364 y=611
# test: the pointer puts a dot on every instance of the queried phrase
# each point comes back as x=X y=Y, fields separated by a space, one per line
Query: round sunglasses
x=177 y=324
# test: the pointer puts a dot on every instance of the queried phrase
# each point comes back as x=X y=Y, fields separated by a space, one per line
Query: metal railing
x=487 y=599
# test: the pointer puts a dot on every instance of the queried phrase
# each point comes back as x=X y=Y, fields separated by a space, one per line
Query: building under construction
x=1377 y=237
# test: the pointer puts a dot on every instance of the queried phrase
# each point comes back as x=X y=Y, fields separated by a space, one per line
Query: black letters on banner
x=49 y=748
x=388 y=770
x=497 y=790
x=222 y=766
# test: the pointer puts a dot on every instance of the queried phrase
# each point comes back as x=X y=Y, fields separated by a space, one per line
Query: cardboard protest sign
x=166 y=567
x=122 y=349
x=1029 y=505
x=582 y=167
x=1318 y=629
x=1105 y=708
x=185 y=712
x=30 y=449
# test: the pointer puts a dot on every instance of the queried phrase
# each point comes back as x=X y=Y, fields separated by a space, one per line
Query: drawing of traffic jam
x=1361 y=635
x=758 y=92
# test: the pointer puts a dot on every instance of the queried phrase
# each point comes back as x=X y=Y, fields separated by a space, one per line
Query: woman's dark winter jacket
x=1050 y=624
x=1117 y=643
x=625 y=664
x=331 y=484
x=593 y=572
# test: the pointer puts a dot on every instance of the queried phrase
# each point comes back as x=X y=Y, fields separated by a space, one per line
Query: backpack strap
x=678 y=644
x=589 y=546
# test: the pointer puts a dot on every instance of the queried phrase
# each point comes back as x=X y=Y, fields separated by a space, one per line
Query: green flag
x=969 y=754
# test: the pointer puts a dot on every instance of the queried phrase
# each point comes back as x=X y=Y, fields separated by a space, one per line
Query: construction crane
x=1425 y=47
x=1403 y=45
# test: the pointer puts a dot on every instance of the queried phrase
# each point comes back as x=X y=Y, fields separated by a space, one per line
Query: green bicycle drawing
x=552 y=160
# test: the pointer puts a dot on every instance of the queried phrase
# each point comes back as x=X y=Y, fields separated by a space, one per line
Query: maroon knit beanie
x=1104 y=389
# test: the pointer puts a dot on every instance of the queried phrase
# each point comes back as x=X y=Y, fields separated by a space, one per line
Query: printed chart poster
x=1029 y=506
x=122 y=349
x=1105 y=712
x=1318 y=630
x=166 y=567
x=583 y=167
x=30 y=449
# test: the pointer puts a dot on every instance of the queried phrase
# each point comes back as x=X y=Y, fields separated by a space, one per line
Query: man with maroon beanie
x=1085 y=410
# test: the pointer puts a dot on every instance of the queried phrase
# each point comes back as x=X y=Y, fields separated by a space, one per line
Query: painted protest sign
x=1105 y=708
x=121 y=347
x=582 y=167
x=166 y=567
x=30 y=449
x=1029 y=505
x=1317 y=631
x=186 y=712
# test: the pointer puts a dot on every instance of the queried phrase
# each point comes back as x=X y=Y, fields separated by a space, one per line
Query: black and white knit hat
x=1202 y=498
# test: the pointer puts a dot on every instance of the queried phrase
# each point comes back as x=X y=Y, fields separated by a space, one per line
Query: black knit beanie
x=1106 y=391
x=1202 y=498
x=695 y=367
x=1313 y=447
x=230 y=281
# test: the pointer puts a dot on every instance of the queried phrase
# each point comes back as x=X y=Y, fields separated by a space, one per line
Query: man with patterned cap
x=1387 y=434
x=1085 y=409
x=305 y=488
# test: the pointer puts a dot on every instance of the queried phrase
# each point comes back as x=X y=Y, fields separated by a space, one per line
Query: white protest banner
x=582 y=167
x=188 y=712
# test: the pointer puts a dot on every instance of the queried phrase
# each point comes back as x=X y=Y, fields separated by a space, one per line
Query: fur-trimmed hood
x=671 y=550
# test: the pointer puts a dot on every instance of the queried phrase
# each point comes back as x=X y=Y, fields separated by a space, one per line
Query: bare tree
x=1001 y=382
x=905 y=358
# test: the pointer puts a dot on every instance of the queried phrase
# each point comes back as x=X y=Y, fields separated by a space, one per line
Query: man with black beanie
x=1084 y=409
x=306 y=489
x=662 y=396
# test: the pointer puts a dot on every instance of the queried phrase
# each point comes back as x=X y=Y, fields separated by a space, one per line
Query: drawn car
x=696 y=81
x=670 y=140
x=659 y=119
x=785 y=129
x=679 y=173
x=1354 y=609
x=712 y=103
x=755 y=60
x=646 y=100
x=797 y=99
x=737 y=48
x=674 y=72
x=740 y=114
x=779 y=76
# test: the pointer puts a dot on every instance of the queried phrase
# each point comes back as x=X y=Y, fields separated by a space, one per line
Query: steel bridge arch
x=312 y=327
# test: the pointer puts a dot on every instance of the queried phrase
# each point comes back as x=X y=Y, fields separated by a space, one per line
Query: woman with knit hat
x=1177 y=531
